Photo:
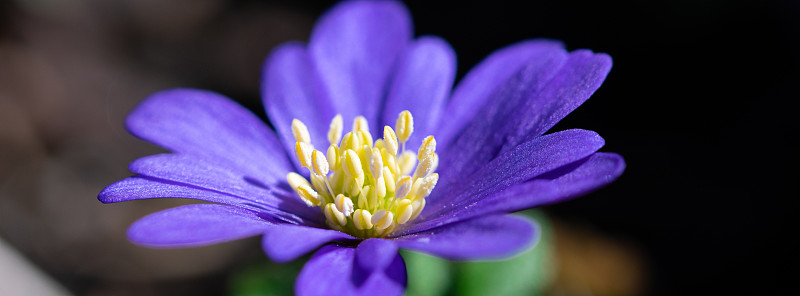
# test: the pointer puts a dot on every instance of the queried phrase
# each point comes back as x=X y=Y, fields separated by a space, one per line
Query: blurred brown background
x=697 y=102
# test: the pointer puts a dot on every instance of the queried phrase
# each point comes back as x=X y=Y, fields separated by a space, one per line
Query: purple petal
x=524 y=162
x=333 y=270
x=291 y=88
x=421 y=84
x=193 y=171
x=375 y=254
x=196 y=225
x=287 y=242
x=564 y=183
x=354 y=46
x=473 y=92
x=583 y=74
x=491 y=237
x=212 y=126
x=536 y=97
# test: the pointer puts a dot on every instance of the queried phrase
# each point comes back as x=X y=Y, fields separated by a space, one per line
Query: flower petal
x=490 y=237
x=196 y=225
x=475 y=89
x=537 y=97
x=288 y=242
x=333 y=269
x=203 y=174
x=421 y=84
x=375 y=254
x=566 y=182
x=524 y=162
x=212 y=126
x=354 y=46
x=291 y=88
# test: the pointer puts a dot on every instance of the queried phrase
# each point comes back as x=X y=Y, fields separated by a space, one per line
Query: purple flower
x=366 y=199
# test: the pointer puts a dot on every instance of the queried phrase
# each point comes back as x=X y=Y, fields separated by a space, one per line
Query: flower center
x=363 y=189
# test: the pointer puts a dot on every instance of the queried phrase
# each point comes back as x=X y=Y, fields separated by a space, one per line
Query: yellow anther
x=334 y=215
x=300 y=132
x=360 y=124
x=308 y=195
x=390 y=161
x=425 y=167
x=376 y=163
x=418 y=205
x=390 y=140
x=404 y=126
x=362 y=219
x=295 y=180
x=404 y=211
x=333 y=157
x=388 y=179
x=366 y=138
x=382 y=219
x=303 y=153
x=435 y=162
x=380 y=144
x=318 y=182
x=380 y=187
x=403 y=187
x=406 y=162
x=351 y=141
x=320 y=163
x=427 y=148
x=352 y=164
x=426 y=185
x=344 y=204
x=372 y=197
x=335 y=130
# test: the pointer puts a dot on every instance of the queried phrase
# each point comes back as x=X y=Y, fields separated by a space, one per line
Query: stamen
x=303 y=153
x=309 y=196
x=363 y=188
x=403 y=187
x=362 y=219
x=390 y=140
x=300 y=132
x=404 y=126
x=321 y=166
x=335 y=130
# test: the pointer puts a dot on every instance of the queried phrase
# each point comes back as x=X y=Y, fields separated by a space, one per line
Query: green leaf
x=529 y=273
x=427 y=275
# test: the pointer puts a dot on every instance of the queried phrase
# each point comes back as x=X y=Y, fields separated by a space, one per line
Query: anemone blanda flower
x=485 y=153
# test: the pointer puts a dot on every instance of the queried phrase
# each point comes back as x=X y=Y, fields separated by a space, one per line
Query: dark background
x=699 y=102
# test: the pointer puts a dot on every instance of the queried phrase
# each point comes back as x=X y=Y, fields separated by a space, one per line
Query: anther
x=427 y=148
x=404 y=126
x=334 y=215
x=333 y=157
x=308 y=195
x=404 y=210
x=352 y=164
x=303 y=153
x=320 y=163
x=360 y=124
x=362 y=219
x=300 y=132
x=344 y=204
x=335 y=130
x=390 y=140
x=295 y=180
x=376 y=163
x=403 y=187
x=382 y=219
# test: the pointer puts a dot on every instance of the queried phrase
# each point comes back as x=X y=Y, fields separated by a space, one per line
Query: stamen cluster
x=363 y=189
